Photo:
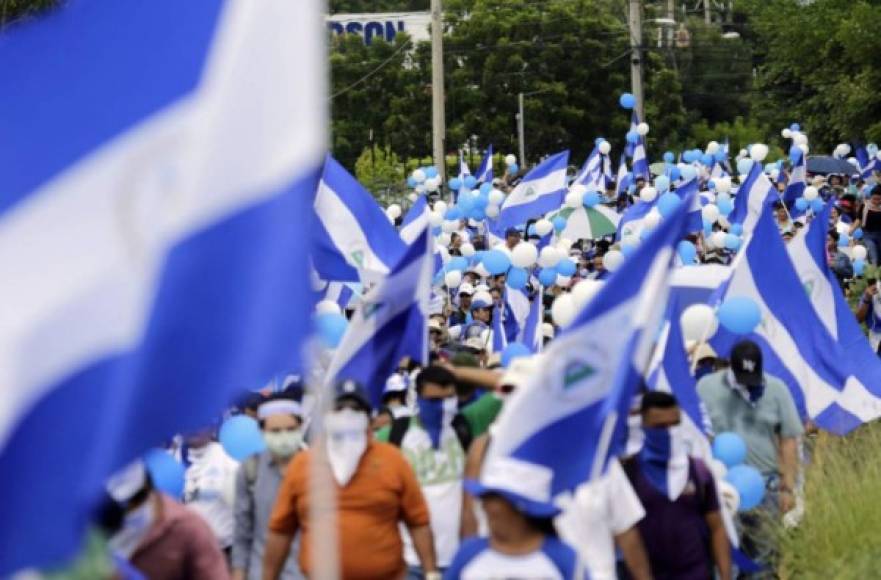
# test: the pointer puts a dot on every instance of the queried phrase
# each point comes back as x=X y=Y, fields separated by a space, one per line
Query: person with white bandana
x=375 y=490
x=257 y=483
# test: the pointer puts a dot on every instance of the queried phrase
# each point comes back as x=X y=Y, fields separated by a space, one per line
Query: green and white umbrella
x=588 y=223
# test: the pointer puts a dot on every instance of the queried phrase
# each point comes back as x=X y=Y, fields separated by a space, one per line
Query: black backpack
x=460 y=427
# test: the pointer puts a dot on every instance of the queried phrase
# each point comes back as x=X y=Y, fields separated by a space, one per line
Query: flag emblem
x=358 y=258
x=577 y=372
x=530 y=191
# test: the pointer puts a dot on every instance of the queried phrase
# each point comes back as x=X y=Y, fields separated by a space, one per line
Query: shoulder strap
x=463 y=431
x=398 y=430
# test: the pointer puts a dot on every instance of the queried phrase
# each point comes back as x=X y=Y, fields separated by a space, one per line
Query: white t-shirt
x=601 y=509
x=209 y=489
x=440 y=475
x=478 y=561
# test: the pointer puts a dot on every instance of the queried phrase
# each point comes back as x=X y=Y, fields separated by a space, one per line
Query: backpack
x=459 y=424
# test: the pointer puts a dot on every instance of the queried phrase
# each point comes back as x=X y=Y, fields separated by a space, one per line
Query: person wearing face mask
x=683 y=519
x=376 y=490
x=158 y=536
x=434 y=443
x=759 y=407
x=257 y=486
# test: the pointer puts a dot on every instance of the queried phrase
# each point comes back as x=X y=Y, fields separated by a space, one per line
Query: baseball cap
x=352 y=390
x=746 y=363
x=466 y=288
x=481 y=300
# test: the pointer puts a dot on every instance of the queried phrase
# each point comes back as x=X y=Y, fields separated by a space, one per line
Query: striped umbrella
x=588 y=223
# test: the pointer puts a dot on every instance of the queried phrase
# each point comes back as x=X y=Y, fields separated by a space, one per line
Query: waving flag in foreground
x=567 y=416
x=541 y=191
x=753 y=196
x=153 y=236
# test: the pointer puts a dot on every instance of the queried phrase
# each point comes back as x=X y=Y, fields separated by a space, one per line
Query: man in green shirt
x=434 y=443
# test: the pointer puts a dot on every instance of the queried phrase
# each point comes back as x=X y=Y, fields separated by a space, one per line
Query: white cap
x=529 y=480
x=482 y=299
x=466 y=288
x=125 y=483
x=279 y=407
x=395 y=384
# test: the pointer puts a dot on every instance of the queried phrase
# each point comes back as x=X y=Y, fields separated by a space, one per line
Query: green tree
x=381 y=172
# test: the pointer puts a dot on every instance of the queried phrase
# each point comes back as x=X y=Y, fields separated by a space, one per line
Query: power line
x=373 y=72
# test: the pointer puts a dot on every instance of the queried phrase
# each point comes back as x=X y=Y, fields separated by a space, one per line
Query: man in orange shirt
x=376 y=488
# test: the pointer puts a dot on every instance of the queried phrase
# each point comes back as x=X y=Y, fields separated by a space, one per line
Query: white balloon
x=492 y=211
x=804 y=148
x=432 y=183
x=467 y=249
x=584 y=291
x=648 y=194
x=859 y=252
x=563 y=310
x=435 y=219
x=524 y=255
x=723 y=184
x=719 y=239
x=612 y=260
x=496 y=197
x=643 y=128
x=412 y=197
x=605 y=147
x=730 y=496
x=845 y=149
x=501 y=247
x=741 y=154
x=543 y=227
x=443 y=239
x=786 y=133
x=719 y=469
x=440 y=207
x=564 y=244
x=549 y=257
x=842 y=228
x=419 y=176
x=758 y=152
x=327 y=307
x=712 y=147
x=723 y=221
x=574 y=199
x=510 y=159
x=699 y=322
x=563 y=281
x=578 y=188
x=853 y=161
x=450 y=226
x=810 y=193
x=481 y=270
x=393 y=211
x=878 y=155
x=710 y=213
x=800 y=139
x=651 y=219
x=453 y=278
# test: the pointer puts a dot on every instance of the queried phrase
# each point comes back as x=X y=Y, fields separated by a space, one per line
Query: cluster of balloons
x=859 y=256
x=799 y=142
x=737 y=314
x=730 y=450
x=511 y=164
x=424 y=179
x=810 y=199
x=566 y=306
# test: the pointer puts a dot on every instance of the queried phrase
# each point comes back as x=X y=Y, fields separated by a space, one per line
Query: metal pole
x=635 y=22
x=438 y=121
x=521 y=135
x=707 y=11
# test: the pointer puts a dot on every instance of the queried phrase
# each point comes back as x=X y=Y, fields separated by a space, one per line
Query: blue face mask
x=657 y=446
x=431 y=416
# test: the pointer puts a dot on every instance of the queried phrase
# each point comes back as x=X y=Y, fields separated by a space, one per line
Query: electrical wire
x=379 y=67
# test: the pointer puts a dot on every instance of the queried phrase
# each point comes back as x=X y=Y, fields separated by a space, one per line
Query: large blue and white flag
x=637 y=153
x=568 y=417
x=353 y=239
x=415 y=220
x=590 y=168
x=391 y=322
x=797 y=345
x=624 y=177
x=753 y=196
x=541 y=191
x=485 y=171
x=797 y=181
x=154 y=227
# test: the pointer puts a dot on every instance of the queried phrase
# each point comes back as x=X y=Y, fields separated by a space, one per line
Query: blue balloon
x=166 y=472
x=675 y=173
x=632 y=137
x=457 y=263
x=566 y=267
x=496 y=262
x=627 y=101
x=485 y=188
x=711 y=185
x=481 y=201
x=843 y=240
x=530 y=231
x=662 y=183
x=241 y=437
x=795 y=154
x=744 y=165
x=736 y=229
x=436 y=231
x=795 y=127
x=668 y=203
x=688 y=156
x=453 y=213
x=739 y=314
x=687 y=252
x=598 y=141
x=669 y=157
x=547 y=276
x=817 y=205
x=465 y=203
x=455 y=184
x=858 y=234
x=514 y=350
x=729 y=448
x=513 y=169
x=725 y=205
x=750 y=485
x=591 y=199
x=559 y=223
x=330 y=328
x=719 y=155
x=478 y=214
x=707 y=159
x=517 y=278
x=470 y=181
x=732 y=242
x=688 y=172
x=859 y=267
x=801 y=204
x=430 y=171
x=411 y=182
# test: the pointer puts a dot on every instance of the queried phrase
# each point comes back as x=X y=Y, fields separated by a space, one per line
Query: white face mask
x=135 y=526
x=283 y=444
x=635 y=435
x=346 y=442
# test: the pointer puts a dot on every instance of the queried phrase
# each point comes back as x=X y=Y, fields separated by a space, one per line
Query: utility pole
x=438 y=120
x=707 y=11
x=635 y=23
x=521 y=138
